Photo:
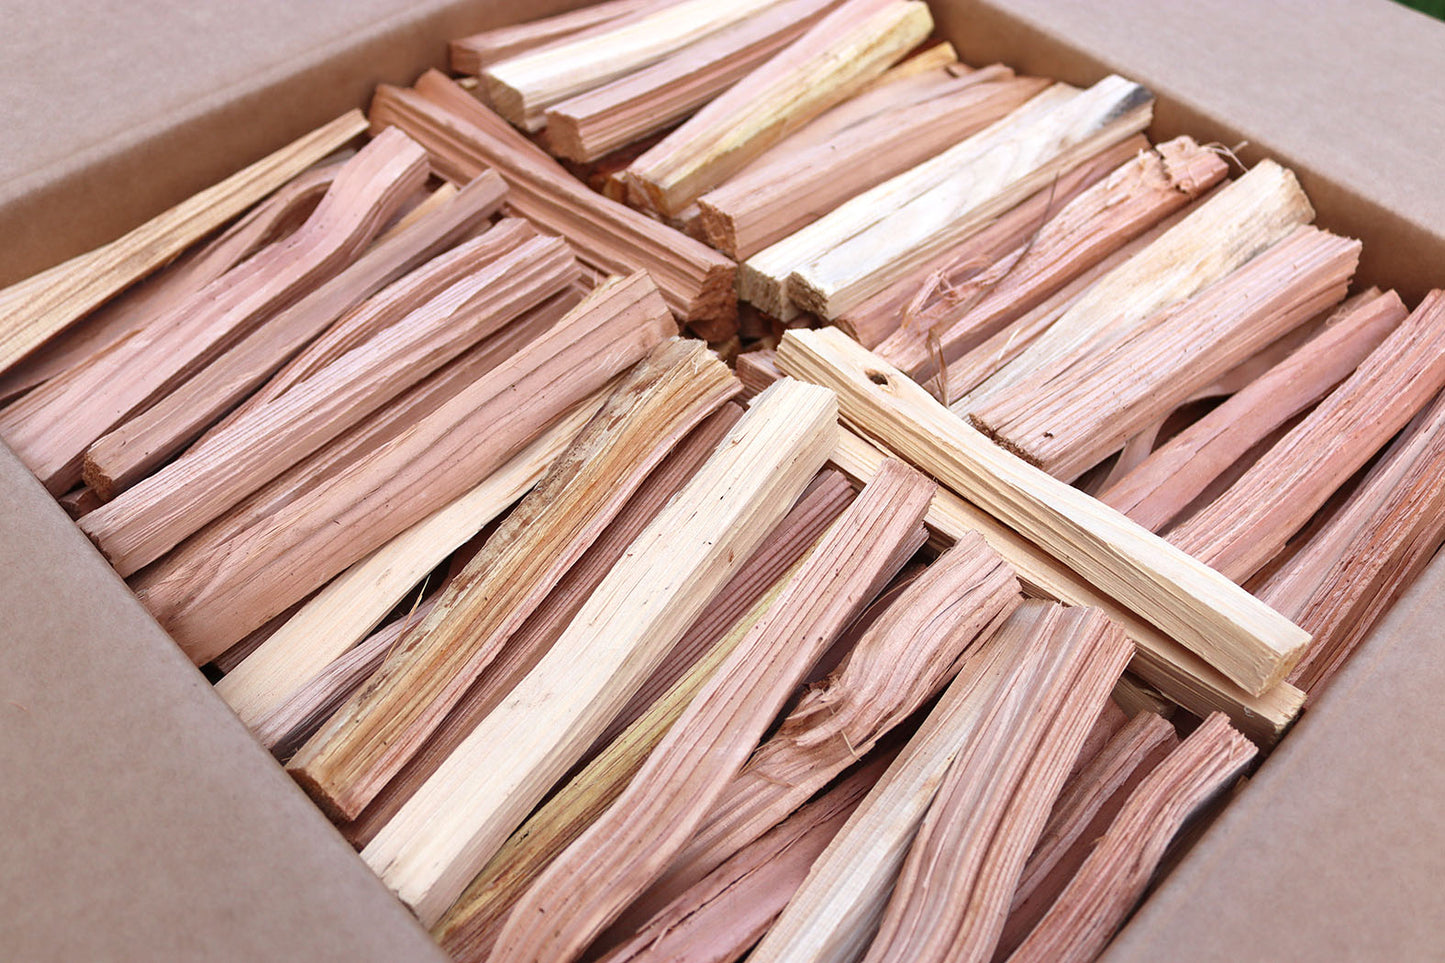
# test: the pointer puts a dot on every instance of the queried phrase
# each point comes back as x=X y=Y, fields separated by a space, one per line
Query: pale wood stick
x=209 y=594
x=901 y=661
x=1140 y=193
x=522 y=87
x=592 y=124
x=953 y=891
x=1156 y=491
x=136 y=447
x=372 y=736
x=38 y=308
x=1350 y=572
x=850 y=47
x=1135 y=696
x=51 y=426
x=871 y=322
x=1114 y=876
x=591 y=881
x=1205 y=612
x=1187 y=679
x=723 y=915
x=1232 y=226
x=767 y=202
x=880 y=235
x=433 y=847
x=354 y=602
x=470 y=54
x=469 y=929
x=270 y=221
x=545 y=625
x=1242 y=529
x=1085 y=808
x=156 y=514
x=1076 y=411
x=463 y=136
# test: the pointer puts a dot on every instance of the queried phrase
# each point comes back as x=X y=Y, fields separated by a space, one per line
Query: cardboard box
x=140 y=819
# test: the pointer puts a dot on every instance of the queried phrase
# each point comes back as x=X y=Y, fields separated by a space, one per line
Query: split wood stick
x=51 y=427
x=1161 y=486
x=757 y=369
x=723 y=915
x=621 y=853
x=1085 y=808
x=135 y=448
x=1350 y=572
x=545 y=625
x=901 y=661
x=1202 y=610
x=835 y=913
x=292 y=721
x=470 y=54
x=1234 y=225
x=42 y=306
x=463 y=137
x=871 y=322
x=435 y=845
x=851 y=46
x=1073 y=413
x=1187 y=679
x=1110 y=720
x=1140 y=193
x=595 y=123
x=523 y=87
x=208 y=594
x=1114 y=876
x=80 y=502
x=355 y=602
x=1134 y=696
x=469 y=929
x=156 y=514
x=270 y=221
x=953 y=893
x=1246 y=526
x=372 y=736
x=767 y=202
x=880 y=235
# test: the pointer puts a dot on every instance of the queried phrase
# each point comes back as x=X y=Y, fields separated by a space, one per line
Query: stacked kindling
x=595 y=648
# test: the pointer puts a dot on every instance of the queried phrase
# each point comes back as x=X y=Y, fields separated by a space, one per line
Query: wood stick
x=1234 y=225
x=470 y=54
x=590 y=882
x=1156 y=491
x=1241 y=530
x=851 y=46
x=1349 y=573
x=135 y=448
x=355 y=602
x=595 y=123
x=39 y=308
x=1140 y=193
x=904 y=659
x=1113 y=878
x=1085 y=808
x=767 y=202
x=51 y=427
x=545 y=625
x=878 y=236
x=1075 y=412
x=954 y=888
x=757 y=369
x=208 y=595
x=158 y=513
x=433 y=847
x=1110 y=720
x=463 y=136
x=1188 y=680
x=524 y=86
x=871 y=322
x=1251 y=644
x=372 y=736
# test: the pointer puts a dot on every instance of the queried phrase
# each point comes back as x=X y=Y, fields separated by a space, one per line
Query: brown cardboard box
x=139 y=819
